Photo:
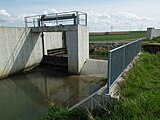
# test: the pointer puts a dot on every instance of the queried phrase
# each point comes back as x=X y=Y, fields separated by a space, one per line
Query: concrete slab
x=93 y=67
x=55 y=28
x=78 y=48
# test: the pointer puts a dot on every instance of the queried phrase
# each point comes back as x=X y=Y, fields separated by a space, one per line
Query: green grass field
x=139 y=96
x=130 y=36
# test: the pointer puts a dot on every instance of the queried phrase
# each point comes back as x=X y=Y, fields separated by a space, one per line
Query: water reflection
x=27 y=96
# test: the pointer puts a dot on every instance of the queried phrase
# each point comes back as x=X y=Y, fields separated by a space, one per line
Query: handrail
x=119 y=60
x=62 y=18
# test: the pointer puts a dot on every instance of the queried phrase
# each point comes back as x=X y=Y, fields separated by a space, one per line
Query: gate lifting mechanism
x=56 y=19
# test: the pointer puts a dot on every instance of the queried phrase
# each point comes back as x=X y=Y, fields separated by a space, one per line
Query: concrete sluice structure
x=44 y=35
x=24 y=48
x=75 y=38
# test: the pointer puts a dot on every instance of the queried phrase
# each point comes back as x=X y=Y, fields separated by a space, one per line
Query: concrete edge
x=114 y=91
x=99 y=99
x=24 y=70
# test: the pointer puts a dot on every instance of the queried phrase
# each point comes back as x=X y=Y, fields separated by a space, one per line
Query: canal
x=28 y=96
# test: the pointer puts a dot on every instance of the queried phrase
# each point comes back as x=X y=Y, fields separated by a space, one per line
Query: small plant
x=156 y=39
x=60 y=113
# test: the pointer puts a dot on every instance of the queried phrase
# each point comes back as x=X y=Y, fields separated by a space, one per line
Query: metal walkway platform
x=57 y=19
x=55 y=28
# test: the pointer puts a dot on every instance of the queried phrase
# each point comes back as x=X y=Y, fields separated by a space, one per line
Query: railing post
x=109 y=71
x=56 y=19
x=124 y=57
x=34 y=22
x=26 y=24
x=86 y=19
x=77 y=17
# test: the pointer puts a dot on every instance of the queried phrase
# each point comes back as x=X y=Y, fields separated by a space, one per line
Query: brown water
x=28 y=96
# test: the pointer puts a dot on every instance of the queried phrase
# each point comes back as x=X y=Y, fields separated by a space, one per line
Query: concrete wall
x=152 y=32
x=20 y=48
x=77 y=43
x=83 y=45
x=78 y=48
x=96 y=68
x=53 y=40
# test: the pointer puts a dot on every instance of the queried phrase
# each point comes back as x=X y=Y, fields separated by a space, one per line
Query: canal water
x=28 y=96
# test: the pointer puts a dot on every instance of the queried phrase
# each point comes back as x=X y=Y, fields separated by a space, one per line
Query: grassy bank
x=130 y=36
x=139 y=96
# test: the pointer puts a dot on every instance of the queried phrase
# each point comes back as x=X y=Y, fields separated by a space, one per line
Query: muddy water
x=28 y=96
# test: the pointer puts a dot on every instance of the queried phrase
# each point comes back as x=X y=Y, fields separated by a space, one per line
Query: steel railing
x=118 y=60
x=56 y=19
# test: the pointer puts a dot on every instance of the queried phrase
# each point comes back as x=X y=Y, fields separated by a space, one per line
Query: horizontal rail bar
x=40 y=20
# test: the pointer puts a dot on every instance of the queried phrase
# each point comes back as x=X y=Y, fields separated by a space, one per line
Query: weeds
x=60 y=113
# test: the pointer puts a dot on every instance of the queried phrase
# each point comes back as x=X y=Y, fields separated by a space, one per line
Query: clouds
x=101 y=20
x=4 y=15
x=50 y=11
x=107 y=20
x=8 y=19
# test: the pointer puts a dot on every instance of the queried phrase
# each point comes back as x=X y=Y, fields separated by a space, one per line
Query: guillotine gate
x=74 y=34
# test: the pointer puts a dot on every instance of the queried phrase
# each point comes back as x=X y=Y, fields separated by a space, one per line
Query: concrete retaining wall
x=94 y=67
x=152 y=32
x=53 y=40
x=20 y=49
x=83 y=45
x=77 y=41
x=77 y=44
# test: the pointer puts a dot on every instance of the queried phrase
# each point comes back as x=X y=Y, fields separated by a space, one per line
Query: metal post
x=25 y=19
x=109 y=72
x=34 y=22
x=56 y=19
x=43 y=47
x=140 y=45
x=124 y=56
x=77 y=18
x=86 y=19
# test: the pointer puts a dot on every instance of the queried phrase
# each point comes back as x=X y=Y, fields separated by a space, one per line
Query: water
x=28 y=96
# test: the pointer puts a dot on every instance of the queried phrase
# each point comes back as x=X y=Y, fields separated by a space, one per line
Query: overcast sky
x=102 y=14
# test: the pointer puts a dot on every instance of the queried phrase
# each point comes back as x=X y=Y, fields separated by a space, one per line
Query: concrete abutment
x=22 y=48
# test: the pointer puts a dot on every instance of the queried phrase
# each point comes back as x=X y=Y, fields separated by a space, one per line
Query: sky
x=103 y=15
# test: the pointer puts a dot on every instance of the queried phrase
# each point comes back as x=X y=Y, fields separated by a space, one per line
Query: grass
x=139 y=96
x=154 y=40
x=130 y=36
x=60 y=113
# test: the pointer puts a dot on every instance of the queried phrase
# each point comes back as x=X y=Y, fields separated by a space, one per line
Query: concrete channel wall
x=53 y=40
x=77 y=44
x=21 y=49
x=77 y=40
x=152 y=32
